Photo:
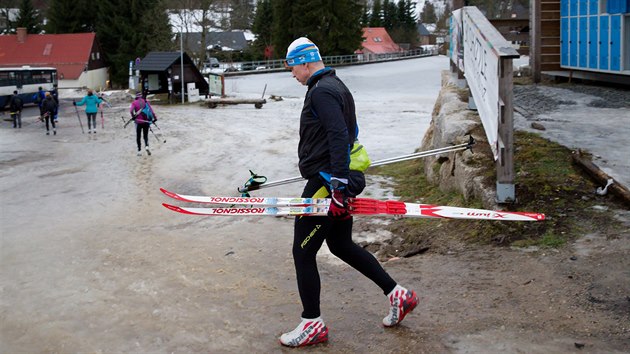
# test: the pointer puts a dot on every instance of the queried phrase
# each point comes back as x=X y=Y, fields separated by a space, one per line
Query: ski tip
x=174 y=195
x=170 y=194
x=177 y=209
x=171 y=207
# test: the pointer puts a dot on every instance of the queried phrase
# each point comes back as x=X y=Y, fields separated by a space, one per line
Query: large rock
x=461 y=171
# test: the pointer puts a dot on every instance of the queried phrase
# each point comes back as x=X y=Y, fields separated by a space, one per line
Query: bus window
x=8 y=78
x=26 y=78
x=4 y=79
x=42 y=77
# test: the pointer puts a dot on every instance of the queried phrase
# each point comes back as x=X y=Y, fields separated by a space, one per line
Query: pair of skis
x=249 y=206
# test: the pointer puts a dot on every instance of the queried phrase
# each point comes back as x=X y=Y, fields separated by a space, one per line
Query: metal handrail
x=333 y=60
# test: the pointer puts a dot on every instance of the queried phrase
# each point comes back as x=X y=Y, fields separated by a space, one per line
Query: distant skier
x=92 y=103
x=143 y=115
x=15 y=105
x=55 y=95
x=49 y=107
x=39 y=98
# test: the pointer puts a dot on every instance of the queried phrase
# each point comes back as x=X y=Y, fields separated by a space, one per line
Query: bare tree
x=195 y=16
x=204 y=22
x=6 y=8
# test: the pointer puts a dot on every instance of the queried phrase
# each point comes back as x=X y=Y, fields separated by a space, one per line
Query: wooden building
x=160 y=72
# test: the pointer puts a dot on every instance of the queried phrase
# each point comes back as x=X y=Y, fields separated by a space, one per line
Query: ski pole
x=78 y=116
x=248 y=186
x=102 y=121
x=155 y=135
x=127 y=122
x=162 y=135
x=464 y=146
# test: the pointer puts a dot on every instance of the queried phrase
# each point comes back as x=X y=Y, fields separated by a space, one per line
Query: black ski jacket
x=15 y=104
x=328 y=126
x=49 y=105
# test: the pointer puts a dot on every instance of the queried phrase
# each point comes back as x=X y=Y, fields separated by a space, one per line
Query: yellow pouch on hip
x=359 y=159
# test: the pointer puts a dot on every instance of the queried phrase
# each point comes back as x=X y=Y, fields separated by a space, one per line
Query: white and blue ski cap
x=301 y=51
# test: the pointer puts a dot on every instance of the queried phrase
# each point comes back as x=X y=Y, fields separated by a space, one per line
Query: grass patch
x=546 y=182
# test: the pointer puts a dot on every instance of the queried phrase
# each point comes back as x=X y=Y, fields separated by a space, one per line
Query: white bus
x=26 y=80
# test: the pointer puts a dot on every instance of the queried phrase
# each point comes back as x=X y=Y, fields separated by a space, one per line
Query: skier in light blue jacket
x=92 y=103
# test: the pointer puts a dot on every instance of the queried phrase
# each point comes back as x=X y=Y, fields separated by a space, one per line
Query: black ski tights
x=49 y=118
x=309 y=234
x=144 y=129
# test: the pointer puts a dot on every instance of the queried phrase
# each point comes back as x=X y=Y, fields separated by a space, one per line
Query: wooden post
x=535 y=40
x=505 y=163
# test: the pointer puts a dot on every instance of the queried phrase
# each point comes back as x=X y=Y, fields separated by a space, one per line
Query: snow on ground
x=392 y=114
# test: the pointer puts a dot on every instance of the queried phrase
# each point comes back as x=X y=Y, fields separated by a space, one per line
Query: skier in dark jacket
x=49 y=107
x=328 y=129
x=55 y=95
x=39 y=97
x=16 y=105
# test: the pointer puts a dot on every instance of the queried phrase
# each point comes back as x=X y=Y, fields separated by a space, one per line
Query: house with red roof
x=76 y=56
x=376 y=43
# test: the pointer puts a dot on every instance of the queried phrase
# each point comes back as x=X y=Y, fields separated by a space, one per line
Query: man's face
x=301 y=73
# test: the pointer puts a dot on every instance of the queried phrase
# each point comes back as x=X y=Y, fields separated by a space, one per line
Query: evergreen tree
x=408 y=15
x=376 y=17
x=335 y=26
x=71 y=16
x=284 y=31
x=28 y=17
x=428 y=13
x=262 y=28
x=389 y=14
x=365 y=16
x=341 y=33
x=128 y=30
x=404 y=28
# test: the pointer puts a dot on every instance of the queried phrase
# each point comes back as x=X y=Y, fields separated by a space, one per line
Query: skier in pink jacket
x=143 y=115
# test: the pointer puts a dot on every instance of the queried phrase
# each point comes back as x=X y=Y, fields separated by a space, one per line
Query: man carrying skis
x=328 y=129
x=142 y=114
x=16 y=105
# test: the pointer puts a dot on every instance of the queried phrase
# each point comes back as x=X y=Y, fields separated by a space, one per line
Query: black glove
x=338 y=209
x=74 y=103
